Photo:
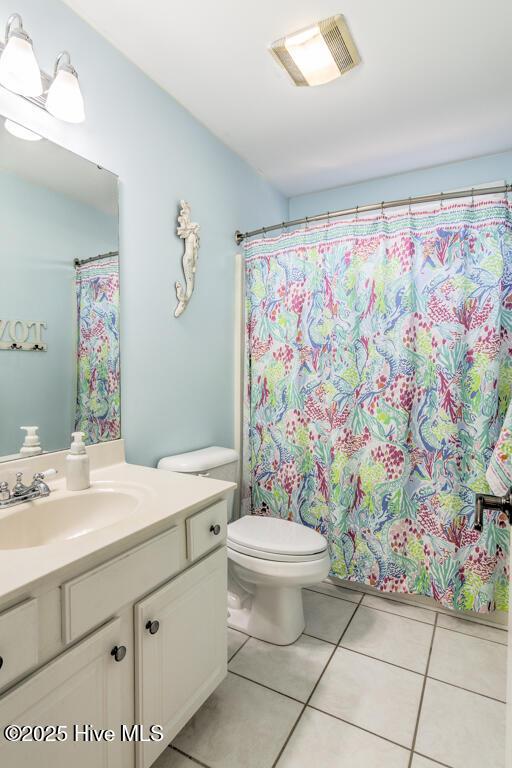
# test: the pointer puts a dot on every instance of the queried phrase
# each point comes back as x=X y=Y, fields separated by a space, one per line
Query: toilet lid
x=276 y=536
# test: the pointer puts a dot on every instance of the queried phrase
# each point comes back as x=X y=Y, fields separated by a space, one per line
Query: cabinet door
x=183 y=661
x=81 y=687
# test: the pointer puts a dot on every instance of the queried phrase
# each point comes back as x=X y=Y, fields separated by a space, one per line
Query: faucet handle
x=19 y=486
x=44 y=475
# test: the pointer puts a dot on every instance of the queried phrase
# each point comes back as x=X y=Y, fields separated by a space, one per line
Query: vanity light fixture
x=19 y=70
x=20 y=131
x=317 y=54
x=59 y=95
x=64 y=99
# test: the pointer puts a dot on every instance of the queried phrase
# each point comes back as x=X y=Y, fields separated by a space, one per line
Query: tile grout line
x=336 y=597
x=267 y=687
x=315 y=637
x=410 y=618
x=193 y=759
x=387 y=596
x=425 y=678
x=474 y=637
x=274 y=764
x=383 y=661
x=239 y=649
x=468 y=690
x=274 y=645
x=437 y=762
x=360 y=727
x=400 y=615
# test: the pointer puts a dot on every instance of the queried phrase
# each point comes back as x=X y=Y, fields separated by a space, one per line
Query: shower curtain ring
x=410 y=201
x=472 y=197
x=357 y=213
x=441 y=199
x=382 y=209
x=306 y=220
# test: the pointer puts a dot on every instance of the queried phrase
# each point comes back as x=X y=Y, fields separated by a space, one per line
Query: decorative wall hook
x=189 y=232
x=24 y=335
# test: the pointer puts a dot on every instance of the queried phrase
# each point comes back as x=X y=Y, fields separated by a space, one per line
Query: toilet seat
x=272 y=556
x=271 y=538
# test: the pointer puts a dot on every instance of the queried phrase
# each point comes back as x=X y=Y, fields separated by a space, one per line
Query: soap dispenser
x=77 y=464
x=31 y=445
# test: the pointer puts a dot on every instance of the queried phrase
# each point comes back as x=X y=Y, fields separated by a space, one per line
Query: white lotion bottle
x=77 y=464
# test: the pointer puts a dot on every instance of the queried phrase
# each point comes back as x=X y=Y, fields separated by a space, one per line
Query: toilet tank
x=215 y=462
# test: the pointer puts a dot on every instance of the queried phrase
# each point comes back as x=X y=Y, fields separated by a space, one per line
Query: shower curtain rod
x=80 y=262
x=501 y=189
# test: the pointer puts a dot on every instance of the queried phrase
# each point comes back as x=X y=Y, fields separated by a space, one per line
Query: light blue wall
x=41 y=233
x=177 y=375
x=440 y=178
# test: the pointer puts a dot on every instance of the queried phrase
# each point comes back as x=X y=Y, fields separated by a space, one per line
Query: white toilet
x=269 y=560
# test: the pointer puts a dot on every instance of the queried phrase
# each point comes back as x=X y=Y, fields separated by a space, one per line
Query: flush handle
x=215 y=529
x=118 y=652
x=1 y=662
x=153 y=627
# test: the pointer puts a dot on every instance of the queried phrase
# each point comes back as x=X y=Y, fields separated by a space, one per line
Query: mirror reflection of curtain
x=98 y=412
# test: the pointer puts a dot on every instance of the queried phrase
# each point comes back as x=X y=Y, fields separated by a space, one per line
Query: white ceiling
x=434 y=84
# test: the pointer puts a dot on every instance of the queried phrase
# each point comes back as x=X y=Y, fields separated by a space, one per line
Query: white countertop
x=167 y=496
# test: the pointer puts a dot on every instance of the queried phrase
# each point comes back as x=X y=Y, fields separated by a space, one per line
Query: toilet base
x=274 y=614
x=265 y=596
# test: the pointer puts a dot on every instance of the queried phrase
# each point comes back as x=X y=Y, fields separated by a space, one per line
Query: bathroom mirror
x=59 y=295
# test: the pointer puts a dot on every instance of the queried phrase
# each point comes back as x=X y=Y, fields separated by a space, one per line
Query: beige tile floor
x=372 y=683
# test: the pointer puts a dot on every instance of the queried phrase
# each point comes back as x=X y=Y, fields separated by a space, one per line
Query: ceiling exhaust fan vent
x=319 y=53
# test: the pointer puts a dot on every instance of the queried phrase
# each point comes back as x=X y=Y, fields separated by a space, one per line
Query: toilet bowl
x=270 y=561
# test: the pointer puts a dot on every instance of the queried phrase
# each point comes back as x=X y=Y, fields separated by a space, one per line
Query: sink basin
x=66 y=517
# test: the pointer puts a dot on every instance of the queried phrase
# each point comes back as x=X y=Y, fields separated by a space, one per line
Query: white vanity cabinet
x=82 y=686
x=180 y=650
x=139 y=638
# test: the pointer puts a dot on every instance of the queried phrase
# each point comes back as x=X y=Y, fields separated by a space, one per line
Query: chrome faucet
x=22 y=493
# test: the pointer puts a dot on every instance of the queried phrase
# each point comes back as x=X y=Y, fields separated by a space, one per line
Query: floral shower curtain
x=98 y=412
x=379 y=369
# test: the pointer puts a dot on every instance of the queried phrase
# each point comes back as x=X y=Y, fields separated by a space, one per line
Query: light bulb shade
x=312 y=56
x=20 y=131
x=65 y=99
x=318 y=54
x=19 y=71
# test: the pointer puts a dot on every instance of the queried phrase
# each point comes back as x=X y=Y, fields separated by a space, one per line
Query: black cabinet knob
x=215 y=529
x=153 y=627
x=118 y=652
